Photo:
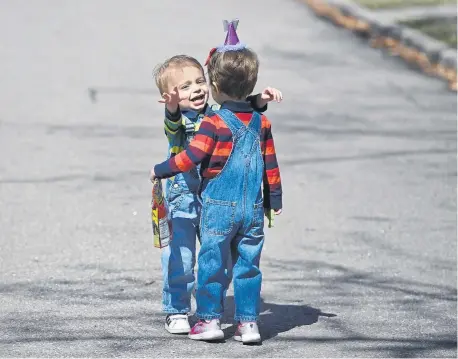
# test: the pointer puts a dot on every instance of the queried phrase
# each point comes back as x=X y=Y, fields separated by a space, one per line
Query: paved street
x=361 y=264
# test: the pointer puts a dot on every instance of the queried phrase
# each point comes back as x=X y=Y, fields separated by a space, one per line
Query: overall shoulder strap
x=255 y=124
x=190 y=127
x=231 y=120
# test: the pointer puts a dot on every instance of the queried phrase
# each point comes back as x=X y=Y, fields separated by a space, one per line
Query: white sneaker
x=177 y=324
x=247 y=332
x=206 y=330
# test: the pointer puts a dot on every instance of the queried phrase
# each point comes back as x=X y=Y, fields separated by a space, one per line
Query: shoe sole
x=248 y=338
x=177 y=331
x=214 y=335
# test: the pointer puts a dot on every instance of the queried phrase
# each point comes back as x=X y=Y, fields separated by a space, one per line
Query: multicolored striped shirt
x=212 y=147
x=175 y=124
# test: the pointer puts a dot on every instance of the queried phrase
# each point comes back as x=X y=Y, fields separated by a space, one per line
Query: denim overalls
x=178 y=258
x=232 y=224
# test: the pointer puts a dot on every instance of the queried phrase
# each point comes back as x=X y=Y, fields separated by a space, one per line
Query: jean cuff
x=246 y=318
x=208 y=316
x=174 y=311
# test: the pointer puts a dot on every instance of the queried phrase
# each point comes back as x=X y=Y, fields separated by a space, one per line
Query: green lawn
x=441 y=29
x=386 y=4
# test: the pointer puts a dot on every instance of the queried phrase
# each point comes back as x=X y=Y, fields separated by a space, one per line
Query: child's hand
x=276 y=211
x=271 y=94
x=171 y=100
x=152 y=175
x=270 y=214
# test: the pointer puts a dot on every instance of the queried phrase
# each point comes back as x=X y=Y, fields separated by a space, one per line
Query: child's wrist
x=260 y=102
x=173 y=109
x=173 y=115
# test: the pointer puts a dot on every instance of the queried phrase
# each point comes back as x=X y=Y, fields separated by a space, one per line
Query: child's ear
x=214 y=87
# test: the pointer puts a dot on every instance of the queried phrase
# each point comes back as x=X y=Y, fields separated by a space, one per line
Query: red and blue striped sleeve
x=272 y=180
x=198 y=149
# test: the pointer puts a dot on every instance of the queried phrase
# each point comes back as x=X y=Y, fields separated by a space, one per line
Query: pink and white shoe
x=247 y=332
x=206 y=330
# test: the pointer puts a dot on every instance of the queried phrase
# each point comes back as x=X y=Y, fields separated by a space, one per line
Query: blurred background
x=436 y=18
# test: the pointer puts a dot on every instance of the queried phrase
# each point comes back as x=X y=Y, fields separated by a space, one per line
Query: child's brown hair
x=161 y=73
x=234 y=73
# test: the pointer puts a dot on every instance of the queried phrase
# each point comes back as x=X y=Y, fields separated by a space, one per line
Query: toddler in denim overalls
x=235 y=149
x=182 y=83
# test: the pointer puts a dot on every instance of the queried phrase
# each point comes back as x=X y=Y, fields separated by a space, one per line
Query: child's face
x=192 y=87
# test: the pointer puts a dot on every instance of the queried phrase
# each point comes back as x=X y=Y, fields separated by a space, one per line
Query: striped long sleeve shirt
x=212 y=146
x=175 y=128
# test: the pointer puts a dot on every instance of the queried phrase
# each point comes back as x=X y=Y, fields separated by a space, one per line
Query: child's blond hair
x=162 y=73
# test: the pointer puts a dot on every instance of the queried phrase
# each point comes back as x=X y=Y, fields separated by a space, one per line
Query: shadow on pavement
x=379 y=314
x=276 y=318
x=117 y=311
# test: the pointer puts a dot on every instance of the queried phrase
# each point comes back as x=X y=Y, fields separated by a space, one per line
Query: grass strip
x=392 y=4
x=440 y=29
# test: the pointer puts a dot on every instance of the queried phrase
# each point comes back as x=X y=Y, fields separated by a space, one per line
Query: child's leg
x=212 y=276
x=178 y=260
x=229 y=267
x=247 y=276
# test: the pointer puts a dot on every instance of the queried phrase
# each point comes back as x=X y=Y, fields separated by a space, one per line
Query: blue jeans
x=232 y=225
x=179 y=257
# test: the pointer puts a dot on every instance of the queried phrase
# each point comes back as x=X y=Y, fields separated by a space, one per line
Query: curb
x=431 y=56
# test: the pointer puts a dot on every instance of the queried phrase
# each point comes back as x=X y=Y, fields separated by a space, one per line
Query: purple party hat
x=232 y=42
x=231 y=28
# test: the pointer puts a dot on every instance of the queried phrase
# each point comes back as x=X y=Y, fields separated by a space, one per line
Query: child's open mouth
x=198 y=100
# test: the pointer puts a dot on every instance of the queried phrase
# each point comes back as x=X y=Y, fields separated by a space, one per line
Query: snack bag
x=162 y=226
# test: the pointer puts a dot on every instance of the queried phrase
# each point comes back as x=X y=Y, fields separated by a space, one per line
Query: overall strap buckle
x=190 y=128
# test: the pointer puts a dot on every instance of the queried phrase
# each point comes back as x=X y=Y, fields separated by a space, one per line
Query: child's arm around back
x=198 y=149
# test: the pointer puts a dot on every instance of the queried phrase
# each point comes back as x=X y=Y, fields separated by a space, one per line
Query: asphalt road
x=361 y=264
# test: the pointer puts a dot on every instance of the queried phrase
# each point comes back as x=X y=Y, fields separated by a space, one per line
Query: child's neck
x=202 y=110
x=222 y=97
